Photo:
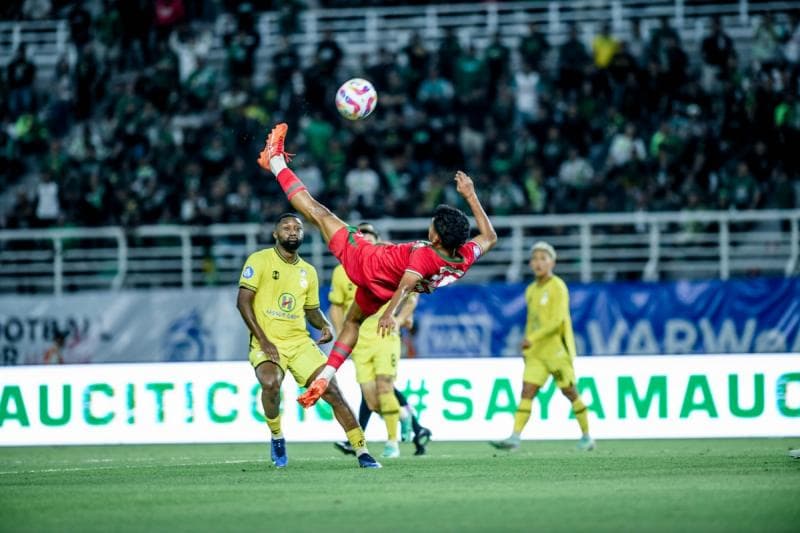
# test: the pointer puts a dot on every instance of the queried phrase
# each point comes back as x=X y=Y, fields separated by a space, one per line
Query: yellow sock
x=390 y=410
x=522 y=415
x=356 y=438
x=275 y=427
x=581 y=415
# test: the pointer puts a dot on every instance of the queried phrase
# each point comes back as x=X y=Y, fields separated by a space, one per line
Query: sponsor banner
x=686 y=317
x=128 y=326
x=473 y=399
x=745 y=316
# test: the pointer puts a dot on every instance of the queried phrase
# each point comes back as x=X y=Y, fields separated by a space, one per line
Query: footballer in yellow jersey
x=548 y=346
x=376 y=359
x=278 y=293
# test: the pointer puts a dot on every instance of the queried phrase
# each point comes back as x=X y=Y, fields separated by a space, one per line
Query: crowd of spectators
x=139 y=126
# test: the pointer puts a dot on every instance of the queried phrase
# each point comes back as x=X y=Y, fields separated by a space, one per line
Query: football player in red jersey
x=388 y=272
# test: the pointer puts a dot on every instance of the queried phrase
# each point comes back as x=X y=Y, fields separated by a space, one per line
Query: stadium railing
x=364 y=30
x=624 y=246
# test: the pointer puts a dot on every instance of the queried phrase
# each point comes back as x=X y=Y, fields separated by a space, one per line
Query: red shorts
x=353 y=250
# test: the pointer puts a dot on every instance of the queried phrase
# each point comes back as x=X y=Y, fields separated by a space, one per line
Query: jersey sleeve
x=252 y=271
x=338 y=292
x=421 y=262
x=312 y=299
x=471 y=251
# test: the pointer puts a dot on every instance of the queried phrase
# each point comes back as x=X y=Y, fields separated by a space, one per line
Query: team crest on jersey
x=276 y=274
x=248 y=272
x=544 y=299
x=286 y=302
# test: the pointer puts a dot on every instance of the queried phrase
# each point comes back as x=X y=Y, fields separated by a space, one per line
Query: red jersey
x=379 y=268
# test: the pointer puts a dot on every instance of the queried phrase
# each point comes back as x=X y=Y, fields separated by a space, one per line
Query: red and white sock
x=339 y=354
x=287 y=179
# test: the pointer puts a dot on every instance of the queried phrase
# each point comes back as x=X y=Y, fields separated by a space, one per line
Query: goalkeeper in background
x=375 y=359
x=548 y=347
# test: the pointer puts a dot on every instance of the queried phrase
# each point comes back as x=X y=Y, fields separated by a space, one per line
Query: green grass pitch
x=673 y=485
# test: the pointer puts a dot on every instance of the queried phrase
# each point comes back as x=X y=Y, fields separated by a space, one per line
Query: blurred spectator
x=417 y=59
x=572 y=61
x=741 y=189
x=191 y=48
x=435 y=94
x=20 y=75
x=329 y=54
x=660 y=36
x=362 y=185
x=718 y=54
x=48 y=207
x=604 y=46
x=575 y=173
x=80 y=22
x=533 y=47
x=766 y=47
x=497 y=57
x=241 y=46
x=506 y=197
x=526 y=82
x=448 y=54
x=626 y=147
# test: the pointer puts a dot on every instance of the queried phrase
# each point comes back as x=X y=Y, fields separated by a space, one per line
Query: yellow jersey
x=549 y=326
x=284 y=291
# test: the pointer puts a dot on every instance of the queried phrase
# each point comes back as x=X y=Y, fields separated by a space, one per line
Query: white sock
x=277 y=163
x=361 y=451
x=515 y=436
x=404 y=414
x=327 y=373
x=278 y=436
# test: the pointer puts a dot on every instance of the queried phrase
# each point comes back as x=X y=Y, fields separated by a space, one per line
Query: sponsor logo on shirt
x=287 y=302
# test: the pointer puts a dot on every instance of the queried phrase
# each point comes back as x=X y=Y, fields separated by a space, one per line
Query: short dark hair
x=287 y=215
x=452 y=225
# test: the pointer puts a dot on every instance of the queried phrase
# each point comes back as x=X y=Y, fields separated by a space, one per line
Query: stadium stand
x=637 y=135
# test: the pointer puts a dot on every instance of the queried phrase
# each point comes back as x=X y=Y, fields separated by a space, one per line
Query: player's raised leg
x=347 y=419
x=274 y=158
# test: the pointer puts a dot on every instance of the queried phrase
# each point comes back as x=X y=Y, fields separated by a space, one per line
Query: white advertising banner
x=123 y=327
x=458 y=399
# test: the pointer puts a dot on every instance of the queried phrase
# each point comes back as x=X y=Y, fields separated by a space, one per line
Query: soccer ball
x=356 y=99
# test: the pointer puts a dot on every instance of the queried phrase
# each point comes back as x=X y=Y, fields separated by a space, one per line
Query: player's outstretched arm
x=486 y=237
x=387 y=323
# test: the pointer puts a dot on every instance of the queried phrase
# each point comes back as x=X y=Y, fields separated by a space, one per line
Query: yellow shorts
x=538 y=369
x=374 y=356
x=302 y=360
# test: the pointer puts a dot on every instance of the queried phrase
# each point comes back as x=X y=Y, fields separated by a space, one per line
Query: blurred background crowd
x=138 y=126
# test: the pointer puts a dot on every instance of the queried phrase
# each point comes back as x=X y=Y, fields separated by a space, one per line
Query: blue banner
x=684 y=317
